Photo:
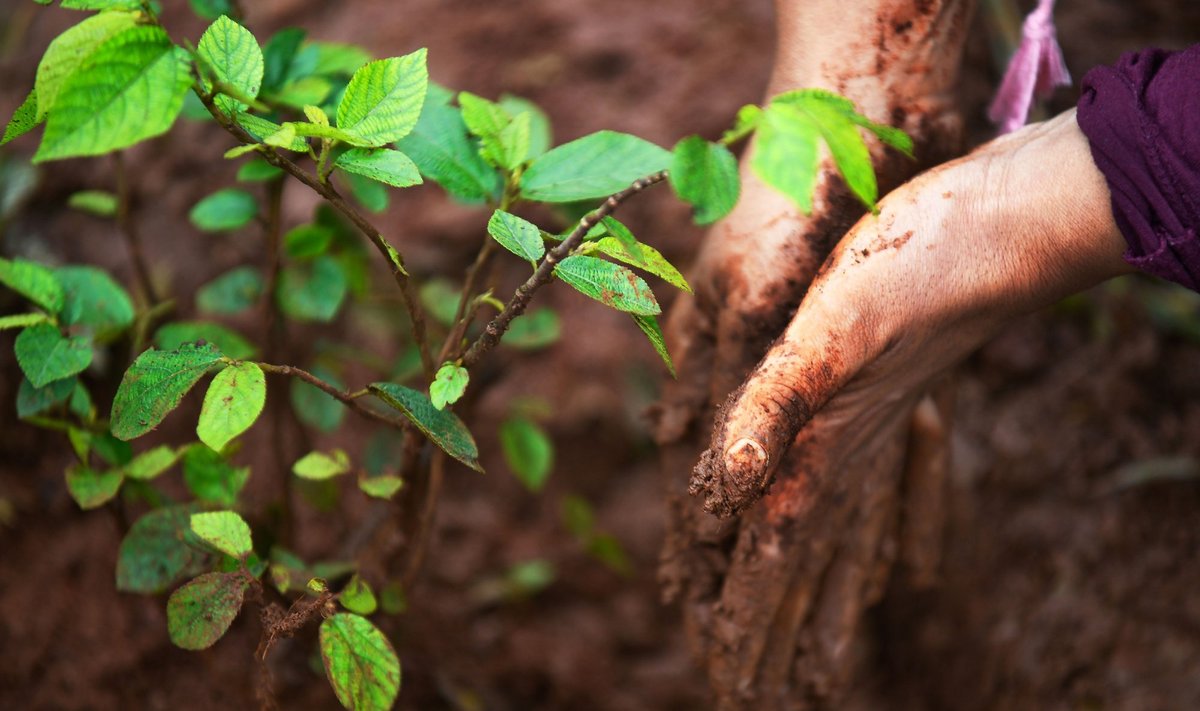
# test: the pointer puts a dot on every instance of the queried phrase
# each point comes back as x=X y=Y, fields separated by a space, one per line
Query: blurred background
x=1071 y=572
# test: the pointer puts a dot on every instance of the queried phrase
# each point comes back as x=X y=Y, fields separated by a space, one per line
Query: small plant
x=329 y=117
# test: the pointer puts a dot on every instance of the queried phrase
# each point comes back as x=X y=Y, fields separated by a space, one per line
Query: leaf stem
x=350 y=399
x=545 y=270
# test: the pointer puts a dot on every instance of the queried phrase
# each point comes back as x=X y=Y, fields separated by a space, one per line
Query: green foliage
x=231 y=343
x=361 y=665
x=232 y=292
x=319 y=465
x=211 y=478
x=449 y=384
x=445 y=154
x=159 y=551
x=383 y=486
x=505 y=140
x=45 y=355
x=518 y=236
x=304 y=241
x=199 y=613
x=155 y=384
x=24 y=119
x=257 y=170
x=533 y=330
x=592 y=167
x=382 y=164
x=313 y=291
x=93 y=302
x=234 y=400
x=34 y=401
x=442 y=427
x=369 y=193
x=70 y=50
x=706 y=176
x=383 y=101
x=357 y=597
x=233 y=57
x=528 y=451
x=211 y=9
x=650 y=260
x=225 y=531
x=316 y=408
x=33 y=281
x=226 y=209
x=608 y=283
x=150 y=464
x=91 y=488
x=653 y=331
x=96 y=202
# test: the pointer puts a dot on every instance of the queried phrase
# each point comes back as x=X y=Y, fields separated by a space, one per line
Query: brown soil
x=1062 y=589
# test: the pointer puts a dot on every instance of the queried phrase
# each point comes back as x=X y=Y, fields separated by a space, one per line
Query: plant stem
x=545 y=270
x=128 y=227
x=350 y=399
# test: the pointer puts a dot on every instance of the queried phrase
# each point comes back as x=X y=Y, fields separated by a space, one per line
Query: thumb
x=817 y=355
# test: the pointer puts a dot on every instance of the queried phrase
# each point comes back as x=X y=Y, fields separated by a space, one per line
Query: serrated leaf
x=224 y=530
x=159 y=550
x=608 y=283
x=211 y=478
x=45 y=355
x=358 y=597
x=257 y=170
x=155 y=384
x=315 y=407
x=518 y=236
x=510 y=147
x=130 y=89
x=528 y=452
x=442 y=427
x=261 y=129
x=540 y=136
x=313 y=291
x=199 y=613
x=94 y=302
x=833 y=117
x=150 y=464
x=338 y=59
x=653 y=331
x=33 y=281
x=888 y=135
x=233 y=55
x=533 y=330
x=445 y=154
x=651 y=261
x=232 y=292
x=360 y=663
x=95 y=202
x=706 y=176
x=747 y=121
x=382 y=164
x=304 y=241
x=305 y=91
x=786 y=157
x=278 y=56
x=449 y=384
x=69 y=50
x=234 y=400
x=383 y=100
x=23 y=120
x=34 y=401
x=482 y=117
x=319 y=465
x=226 y=209
x=92 y=489
x=369 y=193
x=594 y=166
x=231 y=344
x=382 y=486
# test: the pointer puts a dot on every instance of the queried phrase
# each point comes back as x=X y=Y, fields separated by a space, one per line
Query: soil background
x=1073 y=550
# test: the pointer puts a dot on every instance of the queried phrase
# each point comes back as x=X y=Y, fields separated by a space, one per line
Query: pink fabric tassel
x=1035 y=69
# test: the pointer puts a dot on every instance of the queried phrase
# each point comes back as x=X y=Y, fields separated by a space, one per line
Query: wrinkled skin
x=773 y=591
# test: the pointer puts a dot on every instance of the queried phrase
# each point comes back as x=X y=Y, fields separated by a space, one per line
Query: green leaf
x=155 y=384
x=319 y=465
x=34 y=401
x=24 y=119
x=505 y=141
x=510 y=147
x=832 y=117
x=102 y=4
x=706 y=176
x=224 y=530
x=358 y=597
x=482 y=117
x=382 y=164
x=518 y=236
x=81 y=403
x=92 y=489
x=257 y=171
x=528 y=452
x=888 y=135
x=383 y=101
x=312 y=291
x=148 y=465
x=95 y=202
x=234 y=400
x=33 y=281
x=232 y=292
x=361 y=665
x=445 y=154
x=70 y=50
x=371 y=194
x=307 y=91
x=608 y=283
x=315 y=407
x=448 y=385
x=392 y=599
x=533 y=330
x=93 y=301
x=748 y=119
x=441 y=298
x=338 y=59
x=211 y=9
x=211 y=478
x=594 y=166
x=653 y=331
x=261 y=129
x=306 y=241
x=159 y=550
x=199 y=613
x=45 y=355
x=442 y=427
x=130 y=89
x=539 y=124
x=232 y=54
x=231 y=344
x=383 y=486
x=278 y=56
x=786 y=157
x=226 y=209
x=111 y=449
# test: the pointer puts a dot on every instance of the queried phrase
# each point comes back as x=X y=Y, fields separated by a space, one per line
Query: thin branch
x=466 y=307
x=331 y=195
x=349 y=399
x=128 y=227
x=545 y=270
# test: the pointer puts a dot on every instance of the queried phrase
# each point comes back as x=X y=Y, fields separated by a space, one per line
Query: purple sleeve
x=1142 y=120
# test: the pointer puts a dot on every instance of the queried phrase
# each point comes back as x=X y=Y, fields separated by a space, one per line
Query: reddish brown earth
x=1062 y=588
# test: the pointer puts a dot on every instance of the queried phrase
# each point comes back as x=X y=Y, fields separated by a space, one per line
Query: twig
x=331 y=195
x=545 y=270
x=128 y=228
x=350 y=399
x=275 y=333
x=466 y=310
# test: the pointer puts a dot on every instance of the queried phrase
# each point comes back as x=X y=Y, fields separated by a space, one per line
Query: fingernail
x=747 y=456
